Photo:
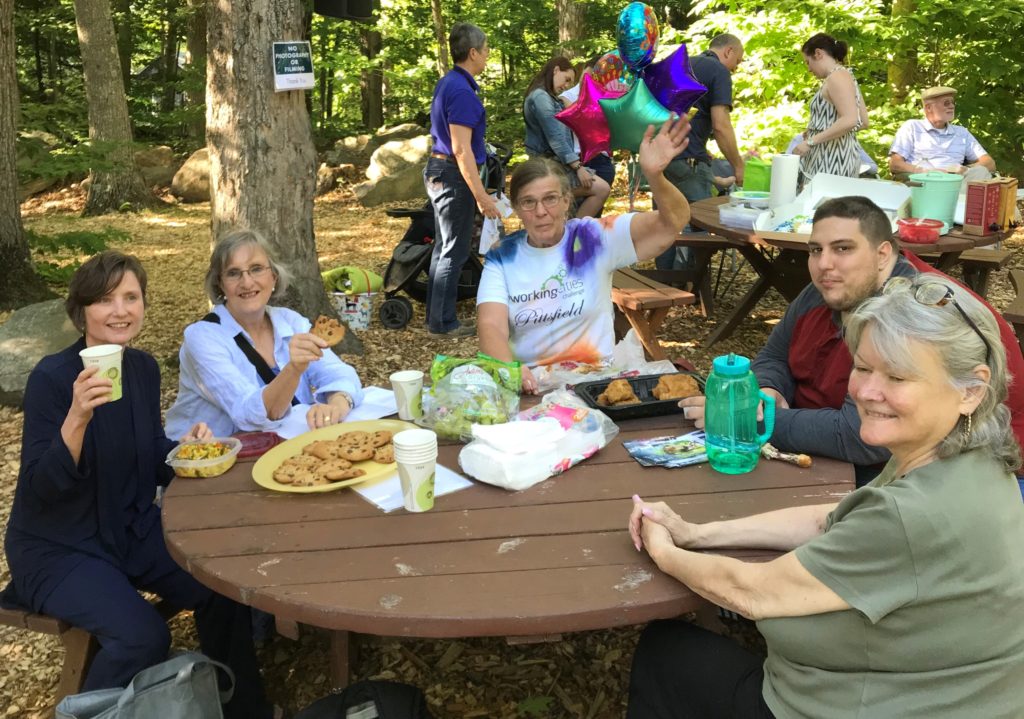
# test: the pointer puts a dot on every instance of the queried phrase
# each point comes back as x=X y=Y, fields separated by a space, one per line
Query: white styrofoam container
x=892 y=197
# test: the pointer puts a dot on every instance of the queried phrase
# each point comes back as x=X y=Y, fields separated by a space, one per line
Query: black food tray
x=642 y=385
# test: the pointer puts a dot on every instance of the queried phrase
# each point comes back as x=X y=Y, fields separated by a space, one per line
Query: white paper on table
x=377 y=403
x=386 y=492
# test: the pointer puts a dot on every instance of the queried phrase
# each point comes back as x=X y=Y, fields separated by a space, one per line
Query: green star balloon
x=628 y=116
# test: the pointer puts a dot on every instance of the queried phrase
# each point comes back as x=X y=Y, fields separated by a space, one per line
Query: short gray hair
x=896 y=319
x=226 y=246
x=725 y=39
x=463 y=38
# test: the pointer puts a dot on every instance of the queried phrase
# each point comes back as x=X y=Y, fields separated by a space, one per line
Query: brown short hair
x=97 y=277
x=874 y=223
x=536 y=168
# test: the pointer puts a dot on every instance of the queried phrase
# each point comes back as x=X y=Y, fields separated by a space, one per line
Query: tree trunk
x=170 y=58
x=125 y=39
x=372 y=80
x=262 y=159
x=195 y=62
x=441 y=33
x=903 y=71
x=109 y=126
x=19 y=283
x=571 y=25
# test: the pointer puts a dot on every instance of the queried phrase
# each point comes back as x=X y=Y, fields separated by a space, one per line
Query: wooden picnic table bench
x=1014 y=314
x=643 y=303
x=977 y=264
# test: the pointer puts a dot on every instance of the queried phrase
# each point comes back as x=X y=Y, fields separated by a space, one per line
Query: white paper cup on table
x=416 y=455
x=408 y=387
x=108 y=359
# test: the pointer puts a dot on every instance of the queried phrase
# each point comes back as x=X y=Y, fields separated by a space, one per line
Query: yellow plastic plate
x=263 y=470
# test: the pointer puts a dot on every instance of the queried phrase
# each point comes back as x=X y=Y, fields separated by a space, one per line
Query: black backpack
x=370 y=699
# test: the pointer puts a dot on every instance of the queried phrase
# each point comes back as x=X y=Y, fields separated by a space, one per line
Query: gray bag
x=183 y=687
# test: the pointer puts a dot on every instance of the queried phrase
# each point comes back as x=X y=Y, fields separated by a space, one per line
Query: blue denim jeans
x=454 y=213
x=695 y=184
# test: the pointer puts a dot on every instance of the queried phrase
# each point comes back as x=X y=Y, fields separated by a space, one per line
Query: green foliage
x=56 y=256
x=964 y=43
x=535 y=706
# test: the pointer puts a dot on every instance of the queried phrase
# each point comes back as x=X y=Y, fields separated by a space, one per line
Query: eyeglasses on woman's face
x=937 y=294
x=236 y=274
x=529 y=204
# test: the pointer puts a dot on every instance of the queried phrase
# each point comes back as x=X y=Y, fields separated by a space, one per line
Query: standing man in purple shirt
x=452 y=175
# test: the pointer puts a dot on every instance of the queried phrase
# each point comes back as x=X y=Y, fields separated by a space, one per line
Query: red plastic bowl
x=921 y=231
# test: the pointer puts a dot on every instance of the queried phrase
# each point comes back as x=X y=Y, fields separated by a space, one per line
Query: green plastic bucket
x=757 y=175
x=936 y=196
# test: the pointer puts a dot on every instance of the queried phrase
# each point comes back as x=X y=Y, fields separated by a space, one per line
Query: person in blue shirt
x=85 y=534
x=452 y=175
x=547 y=136
x=691 y=170
x=220 y=385
x=936 y=142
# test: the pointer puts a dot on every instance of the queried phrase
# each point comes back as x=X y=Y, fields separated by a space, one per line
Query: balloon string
x=634 y=183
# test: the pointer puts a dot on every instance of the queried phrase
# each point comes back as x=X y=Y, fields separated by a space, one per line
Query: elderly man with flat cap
x=935 y=143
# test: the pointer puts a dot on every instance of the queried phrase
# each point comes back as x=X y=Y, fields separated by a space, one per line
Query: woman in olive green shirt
x=905 y=599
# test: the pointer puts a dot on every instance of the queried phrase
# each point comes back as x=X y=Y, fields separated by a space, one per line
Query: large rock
x=405 y=131
x=192 y=182
x=32 y=150
x=158 y=165
x=402 y=186
x=394 y=157
x=30 y=334
x=349 y=150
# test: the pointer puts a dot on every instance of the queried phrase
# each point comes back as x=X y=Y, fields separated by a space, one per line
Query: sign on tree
x=293 y=66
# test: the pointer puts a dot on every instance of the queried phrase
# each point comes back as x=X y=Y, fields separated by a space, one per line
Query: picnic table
x=782 y=263
x=484 y=562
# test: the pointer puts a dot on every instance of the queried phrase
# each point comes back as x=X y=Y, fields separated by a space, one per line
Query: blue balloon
x=637 y=35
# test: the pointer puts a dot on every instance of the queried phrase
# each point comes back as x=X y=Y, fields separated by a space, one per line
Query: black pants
x=681 y=671
x=104 y=600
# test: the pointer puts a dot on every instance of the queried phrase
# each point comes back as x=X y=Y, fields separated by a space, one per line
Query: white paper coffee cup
x=108 y=359
x=408 y=386
x=416 y=455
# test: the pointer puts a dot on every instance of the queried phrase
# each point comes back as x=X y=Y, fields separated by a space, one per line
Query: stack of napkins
x=514 y=455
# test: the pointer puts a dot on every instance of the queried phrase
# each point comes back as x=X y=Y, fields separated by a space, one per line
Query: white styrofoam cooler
x=892 y=197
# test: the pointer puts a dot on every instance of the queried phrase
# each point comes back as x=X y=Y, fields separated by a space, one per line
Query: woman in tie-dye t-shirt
x=545 y=294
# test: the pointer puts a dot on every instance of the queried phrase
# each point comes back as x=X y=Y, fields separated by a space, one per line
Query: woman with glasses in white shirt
x=545 y=292
x=248 y=364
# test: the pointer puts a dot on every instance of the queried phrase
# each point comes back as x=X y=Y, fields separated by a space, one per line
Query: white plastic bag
x=543 y=441
x=628 y=360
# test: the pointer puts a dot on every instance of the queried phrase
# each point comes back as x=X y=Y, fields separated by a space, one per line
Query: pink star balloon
x=586 y=118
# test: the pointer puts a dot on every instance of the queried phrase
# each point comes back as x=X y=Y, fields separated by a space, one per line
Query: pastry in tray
x=676 y=386
x=618 y=392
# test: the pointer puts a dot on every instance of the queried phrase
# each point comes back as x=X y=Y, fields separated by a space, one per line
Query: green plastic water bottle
x=730 y=416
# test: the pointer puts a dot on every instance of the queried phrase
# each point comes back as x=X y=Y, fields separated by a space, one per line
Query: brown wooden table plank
x=553 y=558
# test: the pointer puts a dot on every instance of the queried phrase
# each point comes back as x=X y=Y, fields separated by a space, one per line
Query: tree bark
x=262 y=159
x=19 y=283
x=195 y=62
x=112 y=187
x=371 y=82
x=170 y=57
x=571 y=25
x=122 y=10
x=903 y=71
x=441 y=34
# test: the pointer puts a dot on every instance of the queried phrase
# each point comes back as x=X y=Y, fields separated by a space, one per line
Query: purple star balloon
x=586 y=118
x=672 y=83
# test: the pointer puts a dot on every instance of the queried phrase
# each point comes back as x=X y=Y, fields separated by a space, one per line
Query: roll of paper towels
x=785 y=173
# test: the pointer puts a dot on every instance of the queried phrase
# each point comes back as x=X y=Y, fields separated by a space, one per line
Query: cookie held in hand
x=329 y=330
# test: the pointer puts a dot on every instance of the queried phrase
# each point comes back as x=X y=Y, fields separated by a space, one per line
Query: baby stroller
x=409 y=267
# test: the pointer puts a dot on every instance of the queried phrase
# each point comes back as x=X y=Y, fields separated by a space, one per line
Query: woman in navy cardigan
x=84 y=534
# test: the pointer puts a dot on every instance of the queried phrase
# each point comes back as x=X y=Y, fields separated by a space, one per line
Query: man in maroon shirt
x=806 y=365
